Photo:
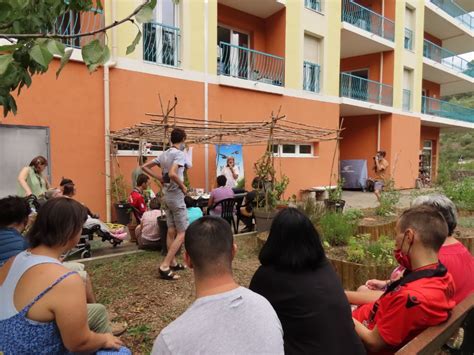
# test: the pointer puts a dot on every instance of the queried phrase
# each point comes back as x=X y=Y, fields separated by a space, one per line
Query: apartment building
x=379 y=67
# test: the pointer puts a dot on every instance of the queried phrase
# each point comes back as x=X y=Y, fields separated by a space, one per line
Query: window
x=131 y=149
x=294 y=150
x=311 y=64
x=409 y=28
x=313 y=5
x=407 y=85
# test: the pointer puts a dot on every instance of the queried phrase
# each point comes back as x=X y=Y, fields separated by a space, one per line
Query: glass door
x=233 y=56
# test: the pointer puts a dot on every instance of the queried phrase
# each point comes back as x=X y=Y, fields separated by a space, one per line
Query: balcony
x=439 y=108
x=406 y=100
x=354 y=87
x=311 y=74
x=408 y=41
x=161 y=44
x=248 y=64
x=313 y=5
x=72 y=22
x=447 y=58
x=368 y=20
x=457 y=12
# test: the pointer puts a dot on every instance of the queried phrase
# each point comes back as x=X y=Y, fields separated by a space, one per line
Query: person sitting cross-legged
x=422 y=298
x=225 y=318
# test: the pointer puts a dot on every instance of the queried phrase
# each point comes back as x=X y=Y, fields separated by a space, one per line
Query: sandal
x=167 y=274
x=178 y=267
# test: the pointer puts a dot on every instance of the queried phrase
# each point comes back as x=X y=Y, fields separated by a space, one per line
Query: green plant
x=363 y=250
x=354 y=214
x=336 y=228
x=388 y=199
x=241 y=184
x=336 y=193
x=119 y=189
x=461 y=192
x=312 y=209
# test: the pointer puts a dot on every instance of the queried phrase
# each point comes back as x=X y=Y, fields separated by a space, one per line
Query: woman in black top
x=303 y=288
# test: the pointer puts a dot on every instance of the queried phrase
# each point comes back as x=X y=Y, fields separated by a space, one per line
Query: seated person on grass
x=148 y=231
x=457 y=259
x=225 y=318
x=13 y=220
x=422 y=298
x=194 y=212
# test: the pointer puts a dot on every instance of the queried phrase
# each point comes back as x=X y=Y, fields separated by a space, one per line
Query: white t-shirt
x=234 y=322
x=231 y=182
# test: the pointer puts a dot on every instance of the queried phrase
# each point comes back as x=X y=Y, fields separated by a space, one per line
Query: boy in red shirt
x=137 y=197
x=420 y=299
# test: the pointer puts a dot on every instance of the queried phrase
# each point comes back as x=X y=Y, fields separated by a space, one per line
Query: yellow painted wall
x=126 y=32
x=332 y=46
x=294 y=44
x=418 y=49
x=399 y=49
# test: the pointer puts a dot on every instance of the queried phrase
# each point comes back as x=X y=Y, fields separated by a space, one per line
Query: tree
x=34 y=36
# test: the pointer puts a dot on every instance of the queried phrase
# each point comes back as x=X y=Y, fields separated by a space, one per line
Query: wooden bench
x=319 y=193
x=433 y=338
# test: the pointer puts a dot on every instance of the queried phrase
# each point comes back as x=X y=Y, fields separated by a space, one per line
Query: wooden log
x=378 y=230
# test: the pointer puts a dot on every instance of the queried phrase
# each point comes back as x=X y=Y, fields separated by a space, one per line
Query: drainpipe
x=206 y=90
x=378 y=133
x=110 y=64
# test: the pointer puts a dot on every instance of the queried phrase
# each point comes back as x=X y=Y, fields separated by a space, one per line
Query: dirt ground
x=130 y=288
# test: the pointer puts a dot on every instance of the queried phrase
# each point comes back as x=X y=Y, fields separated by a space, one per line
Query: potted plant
x=334 y=202
x=120 y=195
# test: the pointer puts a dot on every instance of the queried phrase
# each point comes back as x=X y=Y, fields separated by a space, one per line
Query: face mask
x=182 y=146
x=403 y=259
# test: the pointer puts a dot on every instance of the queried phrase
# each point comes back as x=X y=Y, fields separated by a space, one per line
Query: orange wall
x=359 y=139
x=432 y=89
x=275 y=27
x=374 y=5
x=388 y=64
x=431 y=133
x=390 y=9
x=369 y=61
x=74 y=114
x=433 y=39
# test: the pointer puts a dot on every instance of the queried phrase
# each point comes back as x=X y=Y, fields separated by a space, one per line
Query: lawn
x=129 y=287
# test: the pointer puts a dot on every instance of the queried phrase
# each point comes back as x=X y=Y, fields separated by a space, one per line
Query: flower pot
x=334 y=205
x=264 y=219
x=163 y=232
x=122 y=211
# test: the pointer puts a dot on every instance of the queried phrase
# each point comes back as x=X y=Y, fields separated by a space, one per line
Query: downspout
x=110 y=64
x=378 y=133
x=206 y=90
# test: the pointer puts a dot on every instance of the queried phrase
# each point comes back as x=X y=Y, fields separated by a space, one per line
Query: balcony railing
x=367 y=20
x=72 y=22
x=311 y=73
x=456 y=11
x=408 y=39
x=313 y=4
x=249 y=64
x=406 y=100
x=434 y=107
x=447 y=58
x=161 y=44
x=362 y=89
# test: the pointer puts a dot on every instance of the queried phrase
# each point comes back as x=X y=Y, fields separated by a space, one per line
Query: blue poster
x=230 y=163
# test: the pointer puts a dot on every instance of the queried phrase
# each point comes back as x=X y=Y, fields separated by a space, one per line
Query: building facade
x=378 y=67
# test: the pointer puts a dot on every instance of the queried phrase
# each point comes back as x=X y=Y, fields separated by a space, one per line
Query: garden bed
x=378 y=226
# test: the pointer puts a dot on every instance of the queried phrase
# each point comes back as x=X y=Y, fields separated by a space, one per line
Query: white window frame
x=135 y=153
x=297 y=153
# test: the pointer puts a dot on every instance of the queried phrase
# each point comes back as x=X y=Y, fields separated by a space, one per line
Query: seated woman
x=148 y=231
x=51 y=299
x=220 y=193
x=245 y=212
x=194 y=212
x=303 y=288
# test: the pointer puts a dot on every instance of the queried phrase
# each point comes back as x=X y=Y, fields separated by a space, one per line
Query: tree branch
x=77 y=35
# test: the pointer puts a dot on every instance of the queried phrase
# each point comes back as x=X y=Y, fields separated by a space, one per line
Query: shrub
x=336 y=228
x=363 y=250
x=461 y=192
x=354 y=214
x=388 y=200
x=312 y=209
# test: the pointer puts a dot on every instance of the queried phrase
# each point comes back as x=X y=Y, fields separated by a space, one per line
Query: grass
x=466 y=222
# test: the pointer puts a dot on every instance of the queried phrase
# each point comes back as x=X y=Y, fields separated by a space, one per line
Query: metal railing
x=311 y=74
x=456 y=11
x=447 y=58
x=313 y=4
x=249 y=64
x=406 y=100
x=72 y=22
x=161 y=44
x=440 y=108
x=362 y=89
x=408 y=42
x=367 y=20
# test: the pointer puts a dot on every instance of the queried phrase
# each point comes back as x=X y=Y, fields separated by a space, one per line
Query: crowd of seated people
x=295 y=302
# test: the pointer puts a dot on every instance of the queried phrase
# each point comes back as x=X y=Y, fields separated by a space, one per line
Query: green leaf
x=5 y=11
x=92 y=52
x=41 y=55
x=10 y=47
x=55 y=47
x=64 y=60
x=145 y=14
x=5 y=60
x=132 y=46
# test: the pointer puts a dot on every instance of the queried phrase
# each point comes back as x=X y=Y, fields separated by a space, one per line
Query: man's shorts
x=77 y=267
x=378 y=185
x=175 y=209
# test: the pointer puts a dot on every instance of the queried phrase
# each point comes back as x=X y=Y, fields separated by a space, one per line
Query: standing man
x=381 y=165
x=172 y=163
